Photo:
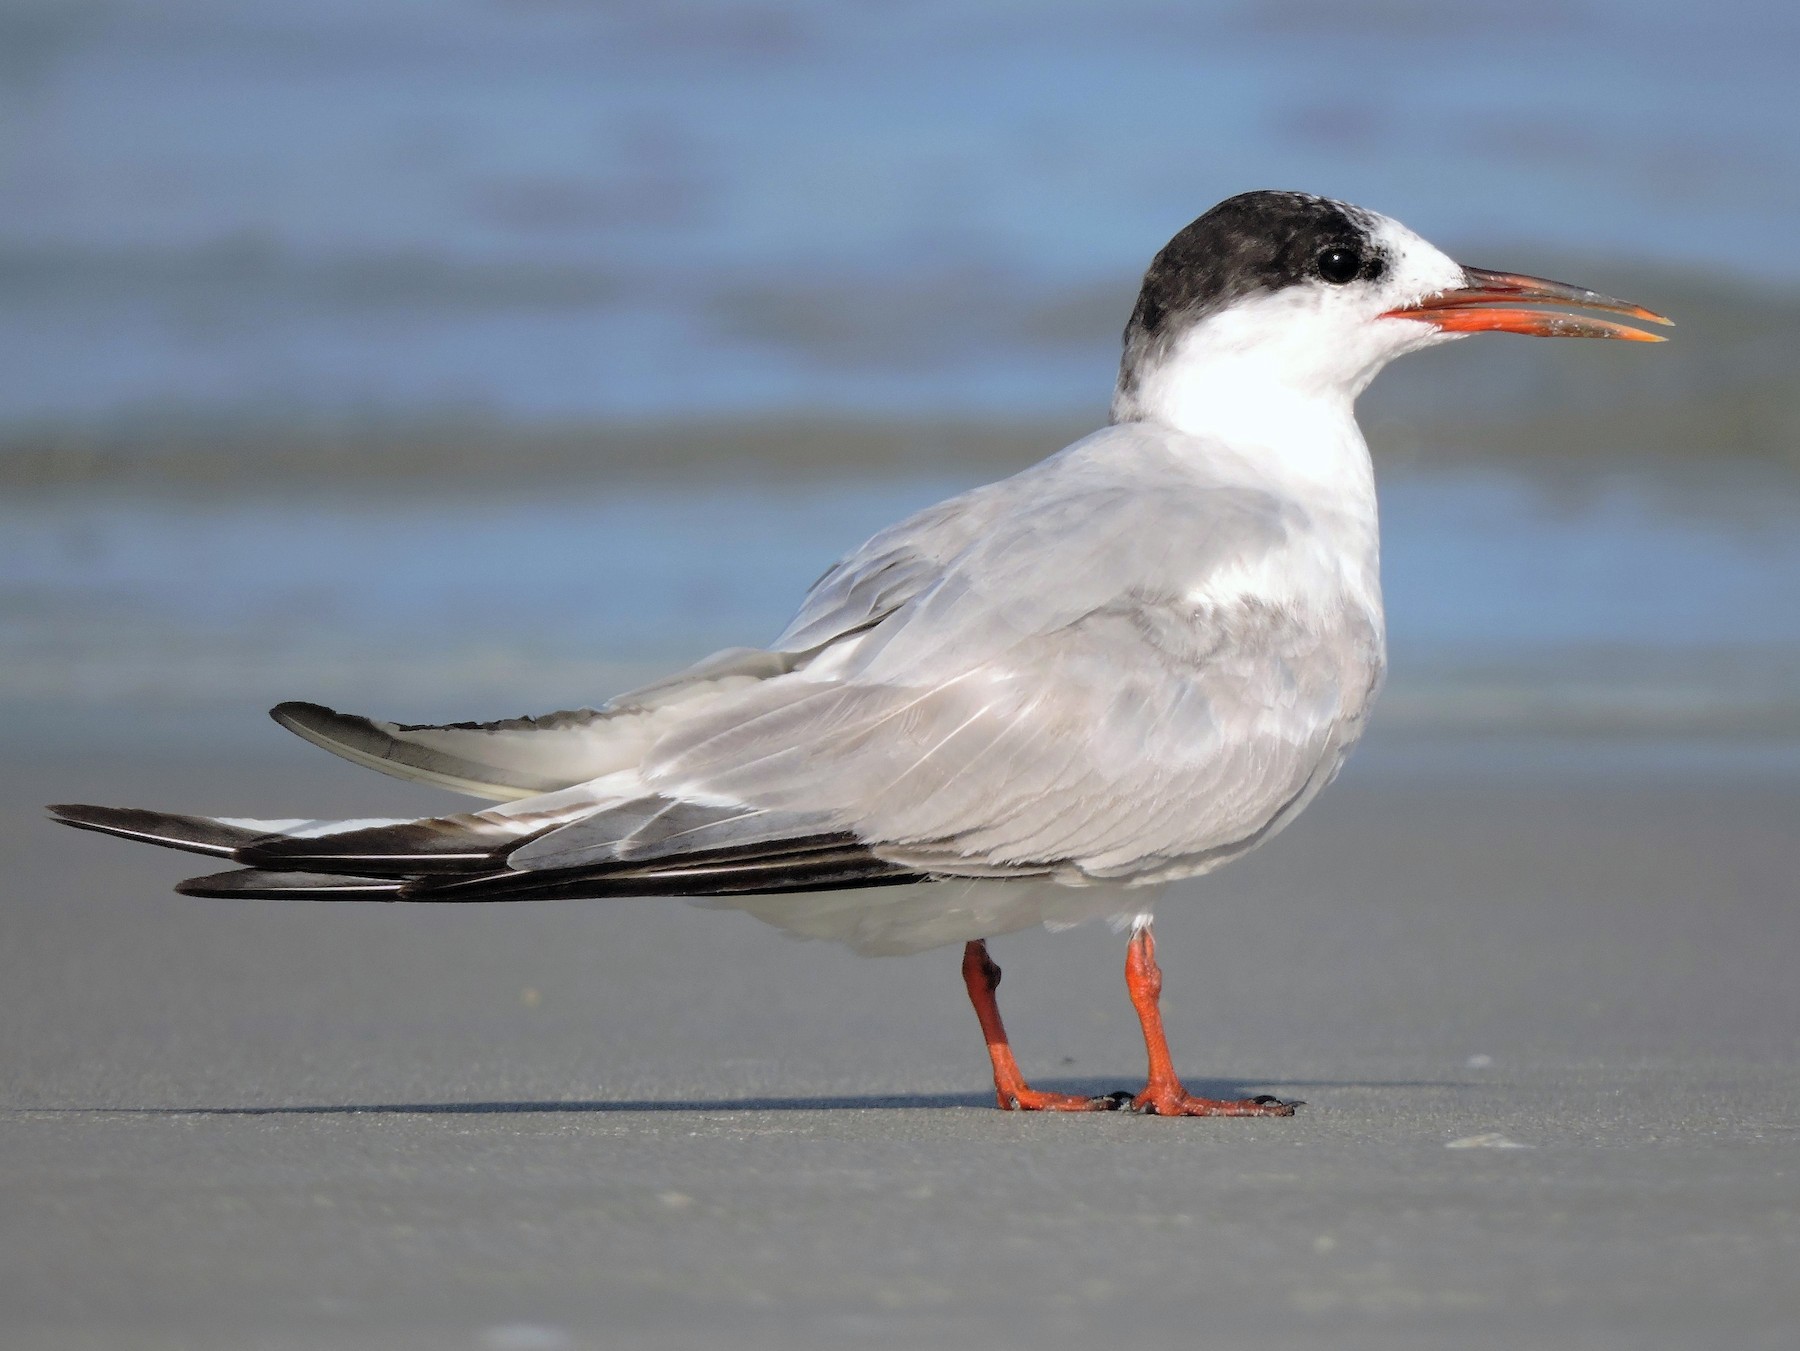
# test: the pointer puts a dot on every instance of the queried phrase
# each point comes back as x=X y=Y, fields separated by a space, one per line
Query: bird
x=1038 y=702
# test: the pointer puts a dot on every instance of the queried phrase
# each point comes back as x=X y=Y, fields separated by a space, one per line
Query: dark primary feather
x=824 y=864
x=465 y=842
x=464 y=858
x=192 y=834
x=251 y=883
x=644 y=846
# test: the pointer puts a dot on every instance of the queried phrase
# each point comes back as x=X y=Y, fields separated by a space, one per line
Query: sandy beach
x=1539 y=1001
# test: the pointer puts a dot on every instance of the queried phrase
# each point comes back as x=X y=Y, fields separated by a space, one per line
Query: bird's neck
x=1304 y=440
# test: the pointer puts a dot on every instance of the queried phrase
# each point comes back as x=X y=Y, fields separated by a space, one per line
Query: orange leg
x=1163 y=1095
x=982 y=976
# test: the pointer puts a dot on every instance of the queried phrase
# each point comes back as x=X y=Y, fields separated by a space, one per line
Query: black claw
x=1119 y=1100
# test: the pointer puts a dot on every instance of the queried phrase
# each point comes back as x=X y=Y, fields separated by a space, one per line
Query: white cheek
x=1400 y=336
x=1417 y=269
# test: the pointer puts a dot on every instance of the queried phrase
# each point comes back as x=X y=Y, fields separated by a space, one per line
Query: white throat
x=1308 y=435
x=1298 y=433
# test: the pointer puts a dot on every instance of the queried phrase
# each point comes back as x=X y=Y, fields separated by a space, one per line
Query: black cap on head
x=1256 y=241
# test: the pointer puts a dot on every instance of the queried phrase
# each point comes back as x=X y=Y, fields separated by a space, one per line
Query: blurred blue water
x=559 y=208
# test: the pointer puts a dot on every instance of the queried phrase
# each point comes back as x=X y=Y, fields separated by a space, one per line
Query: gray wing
x=1001 y=536
x=1042 y=692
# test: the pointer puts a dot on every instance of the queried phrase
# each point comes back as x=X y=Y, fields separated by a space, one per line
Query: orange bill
x=1501 y=302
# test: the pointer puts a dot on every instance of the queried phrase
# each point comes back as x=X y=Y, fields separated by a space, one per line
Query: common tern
x=1035 y=703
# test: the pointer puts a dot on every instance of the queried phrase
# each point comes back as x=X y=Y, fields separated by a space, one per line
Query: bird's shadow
x=868 y=1102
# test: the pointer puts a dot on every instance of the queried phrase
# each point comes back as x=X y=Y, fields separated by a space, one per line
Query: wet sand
x=524 y=1128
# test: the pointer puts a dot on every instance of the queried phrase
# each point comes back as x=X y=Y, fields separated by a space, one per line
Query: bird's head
x=1280 y=291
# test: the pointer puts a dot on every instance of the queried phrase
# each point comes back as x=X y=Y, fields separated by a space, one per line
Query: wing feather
x=1127 y=711
x=518 y=758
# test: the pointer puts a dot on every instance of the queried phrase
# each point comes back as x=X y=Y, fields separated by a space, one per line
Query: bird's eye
x=1339 y=264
